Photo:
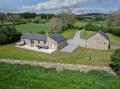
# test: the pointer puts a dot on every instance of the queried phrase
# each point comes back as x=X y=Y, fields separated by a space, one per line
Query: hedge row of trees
x=21 y=18
x=94 y=27
x=8 y=35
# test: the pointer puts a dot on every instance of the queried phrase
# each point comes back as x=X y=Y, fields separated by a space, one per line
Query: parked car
x=46 y=47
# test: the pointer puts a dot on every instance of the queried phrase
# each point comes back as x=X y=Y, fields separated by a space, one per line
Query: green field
x=86 y=34
x=28 y=77
x=113 y=39
x=69 y=33
x=80 y=23
x=35 y=28
x=81 y=56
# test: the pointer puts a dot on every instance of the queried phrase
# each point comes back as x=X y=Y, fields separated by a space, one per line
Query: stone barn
x=99 y=40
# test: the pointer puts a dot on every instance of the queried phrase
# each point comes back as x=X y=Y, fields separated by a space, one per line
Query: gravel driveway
x=74 y=43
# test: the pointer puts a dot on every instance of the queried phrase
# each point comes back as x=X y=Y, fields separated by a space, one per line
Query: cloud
x=55 y=6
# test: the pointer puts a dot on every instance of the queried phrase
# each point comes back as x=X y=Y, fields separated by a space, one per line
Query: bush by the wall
x=115 y=59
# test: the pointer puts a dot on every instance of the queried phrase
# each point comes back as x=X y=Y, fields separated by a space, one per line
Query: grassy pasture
x=28 y=77
x=69 y=34
x=35 y=28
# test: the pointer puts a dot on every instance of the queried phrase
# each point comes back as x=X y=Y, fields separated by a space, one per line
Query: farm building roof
x=103 y=34
x=56 y=37
x=34 y=37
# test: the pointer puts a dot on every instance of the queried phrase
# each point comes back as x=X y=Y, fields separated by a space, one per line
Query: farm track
x=60 y=66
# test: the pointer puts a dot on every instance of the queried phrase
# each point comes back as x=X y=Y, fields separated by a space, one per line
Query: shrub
x=42 y=32
x=8 y=34
x=91 y=27
x=115 y=59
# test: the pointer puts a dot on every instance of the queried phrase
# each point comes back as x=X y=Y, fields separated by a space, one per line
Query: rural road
x=74 y=43
x=60 y=66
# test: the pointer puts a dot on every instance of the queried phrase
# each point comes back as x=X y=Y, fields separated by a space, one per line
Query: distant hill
x=92 y=14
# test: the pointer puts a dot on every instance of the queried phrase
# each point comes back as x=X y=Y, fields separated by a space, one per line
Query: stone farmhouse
x=99 y=40
x=54 y=41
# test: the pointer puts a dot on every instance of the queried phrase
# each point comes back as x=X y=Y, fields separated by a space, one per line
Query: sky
x=56 y=6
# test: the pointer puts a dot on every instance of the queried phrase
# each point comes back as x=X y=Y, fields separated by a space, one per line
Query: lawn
x=80 y=23
x=35 y=28
x=86 y=34
x=113 y=39
x=81 y=56
x=69 y=33
x=28 y=77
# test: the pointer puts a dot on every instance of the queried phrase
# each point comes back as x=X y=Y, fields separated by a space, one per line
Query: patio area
x=28 y=47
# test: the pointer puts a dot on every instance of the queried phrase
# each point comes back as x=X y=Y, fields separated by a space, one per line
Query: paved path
x=74 y=43
x=59 y=66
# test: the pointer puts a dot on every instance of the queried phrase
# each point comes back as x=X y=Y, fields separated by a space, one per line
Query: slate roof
x=34 y=37
x=57 y=37
x=103 y=34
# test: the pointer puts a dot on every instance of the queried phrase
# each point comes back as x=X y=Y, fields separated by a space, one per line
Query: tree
x=8 y=34
x=37 y=20
x=62 y=21
x=2 y=16
x=113 y=19
x=68 y=19
x=27 y=15
x=91 y=27
x=14 y=18
x=56 y=25
x=115 y=59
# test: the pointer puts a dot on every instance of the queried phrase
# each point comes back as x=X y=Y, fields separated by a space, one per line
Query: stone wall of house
x=52 y=44
x=36 y=42
x=27 y=41
x=98 y=42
